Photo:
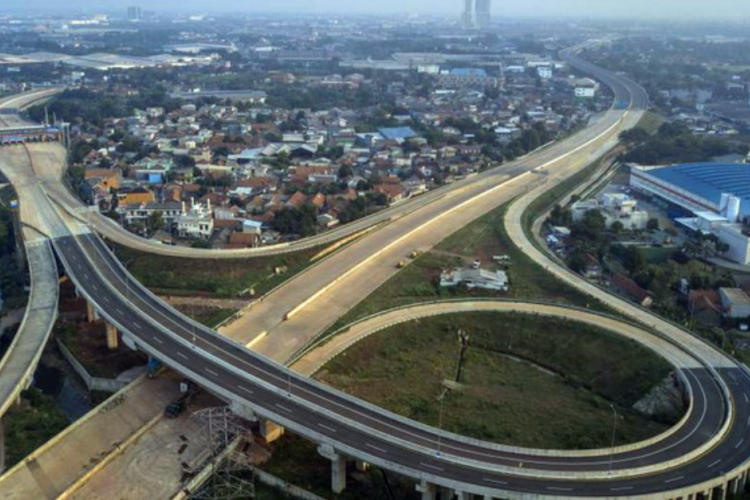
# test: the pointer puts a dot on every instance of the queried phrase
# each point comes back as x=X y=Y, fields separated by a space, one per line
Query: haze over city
x=675 y=9
x=390 y=250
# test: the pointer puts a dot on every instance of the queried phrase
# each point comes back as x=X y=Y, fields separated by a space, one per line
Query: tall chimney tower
x=483 y=14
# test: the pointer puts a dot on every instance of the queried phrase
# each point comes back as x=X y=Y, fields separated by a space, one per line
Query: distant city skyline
x=678 y=9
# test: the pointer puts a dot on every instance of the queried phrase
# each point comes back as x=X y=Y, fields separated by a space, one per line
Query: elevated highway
x=713 y=433
x=19 y=363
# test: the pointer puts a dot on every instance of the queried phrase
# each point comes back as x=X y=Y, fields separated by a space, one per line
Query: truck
x=153 y=367
x=175 y=408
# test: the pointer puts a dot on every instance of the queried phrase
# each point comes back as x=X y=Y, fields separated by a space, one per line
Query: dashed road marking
x=182 y=355
x=713 y=464
x=435 y=467
x=209 y=370
x=674 y=479
x=494 y=481
x=382 y=450
x=330 y=429
x=283 y=408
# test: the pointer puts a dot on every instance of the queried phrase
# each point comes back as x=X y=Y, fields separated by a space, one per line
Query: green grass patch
x=528 y=380
x=221 y=278
x=651 y=122
x=297 y=461
x=31 y=424
x=481 y=239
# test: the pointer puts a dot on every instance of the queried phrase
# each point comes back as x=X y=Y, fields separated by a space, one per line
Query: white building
x=615 y=207
x=476 y=278
x=735 y=302
x=197 y=223
x=585 y=88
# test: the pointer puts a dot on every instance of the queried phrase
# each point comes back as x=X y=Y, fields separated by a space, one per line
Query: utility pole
x=614 y=432
x=463 y=341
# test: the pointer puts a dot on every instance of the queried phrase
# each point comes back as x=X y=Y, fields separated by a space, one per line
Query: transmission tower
x=232 y=476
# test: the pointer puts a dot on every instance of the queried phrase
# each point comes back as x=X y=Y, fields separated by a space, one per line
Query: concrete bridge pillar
x=462 y=495
x=91 y=313
x=428 y=490
x=113 y=339
x=338 y=467
x=270 y=431
x=723 y=491
x=2 y=447
x=361 y=465
x=743 y=482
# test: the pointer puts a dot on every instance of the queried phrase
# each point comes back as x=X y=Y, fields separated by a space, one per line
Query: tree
x=345 y=171
x=617 y=227
x=155 y=222
x=184 y=161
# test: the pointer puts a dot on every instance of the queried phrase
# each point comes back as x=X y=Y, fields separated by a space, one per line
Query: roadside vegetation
x=314 y=474
x=31 y=424
x=220 y=278
x=482 y=239
x=527 y=380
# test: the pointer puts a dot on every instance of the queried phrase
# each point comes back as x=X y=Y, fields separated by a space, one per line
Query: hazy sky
x=630 y=8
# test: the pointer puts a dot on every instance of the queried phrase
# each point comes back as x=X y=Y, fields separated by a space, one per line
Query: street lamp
x=441 y=398
x=614 y=431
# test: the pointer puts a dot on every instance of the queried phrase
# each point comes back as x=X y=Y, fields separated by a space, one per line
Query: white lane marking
x=138 y=325
x=495 y=481
x=622 y=488
x=283 y=408
x=182 y=355
x=331 y=429
x=435 y=467
x=120 y=312
x=557 y=488
x=376 y=448
x=714 y=464
x=747 y=400
x=209 y=370
x=105 y=299
x=157 y=339
x=249 y=391
x=739 y=443
x=674 y=479
x=731 y=375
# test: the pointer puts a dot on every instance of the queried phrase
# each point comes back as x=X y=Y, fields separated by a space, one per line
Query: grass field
x=212 y=278
x=481 y=239
x=528 y=380
x=297 y=461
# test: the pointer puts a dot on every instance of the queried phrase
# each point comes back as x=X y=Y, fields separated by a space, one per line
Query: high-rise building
x=476 y=14
x=467 y=17
x=482 y=13
x=134 y=13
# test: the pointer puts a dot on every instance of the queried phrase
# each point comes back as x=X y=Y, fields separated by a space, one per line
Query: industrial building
x=713 y=198
x=476 y=14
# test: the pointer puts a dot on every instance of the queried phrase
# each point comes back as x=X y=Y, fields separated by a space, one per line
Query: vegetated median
x=215 y=278
x=527 y=380
x=481 y=240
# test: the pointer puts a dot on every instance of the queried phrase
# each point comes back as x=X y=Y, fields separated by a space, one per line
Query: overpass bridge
x=707 y=451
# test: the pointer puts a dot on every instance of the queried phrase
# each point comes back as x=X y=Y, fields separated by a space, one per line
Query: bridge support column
x=361 y=465
x=270 y=431
x=428 y=490
x=113 y=340
x=723 y=491
x=735 y=485
x=338 y=467
x=462 y=495
x=743 y=482
x=91 y=313
x=2 y=446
